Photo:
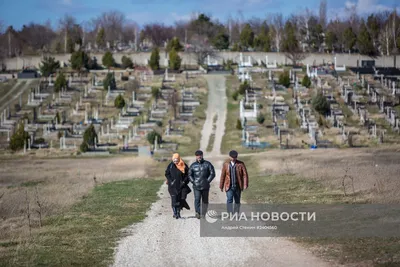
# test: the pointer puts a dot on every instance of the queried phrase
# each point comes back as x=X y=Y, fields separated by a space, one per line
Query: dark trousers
x=233 y=193
x=201 y=195
x=175 y=198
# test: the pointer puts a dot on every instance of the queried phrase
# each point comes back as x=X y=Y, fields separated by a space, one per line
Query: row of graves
x=249 y=109
x=176 y=104
x=380 y=92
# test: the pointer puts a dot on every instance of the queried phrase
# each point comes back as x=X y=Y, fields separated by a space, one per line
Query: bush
x=154 y=61
x=306 y=81
x=61 y=82
x=119 y=102
x=243 y=87
x=260 y=118
x=284 y=79
x=108 y=60
x=89 y=137
x=84 y=147
x=260 y=106
x=109 y=80
x=152 y=136
x=126 y=62
x=320 y=104
x=18 y=138
x=125 y=78
x=159 y=123
x=235 y=95
x=39 y=141
x=174 y=60
x=239 y=125
x=155 y=92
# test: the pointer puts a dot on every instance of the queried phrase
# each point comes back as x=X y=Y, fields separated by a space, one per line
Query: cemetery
x=122 y=115
x=332 y=107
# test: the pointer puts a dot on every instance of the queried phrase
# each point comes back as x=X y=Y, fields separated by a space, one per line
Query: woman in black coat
x=177 y=180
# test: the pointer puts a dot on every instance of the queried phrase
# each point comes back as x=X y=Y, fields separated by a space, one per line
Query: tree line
x=370 y=34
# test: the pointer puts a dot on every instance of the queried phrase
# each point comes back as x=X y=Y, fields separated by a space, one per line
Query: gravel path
x=161 y=240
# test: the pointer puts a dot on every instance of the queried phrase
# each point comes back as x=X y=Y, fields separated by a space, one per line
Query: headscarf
x=181 y=164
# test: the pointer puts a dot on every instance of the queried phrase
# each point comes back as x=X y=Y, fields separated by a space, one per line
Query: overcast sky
x=20 y=12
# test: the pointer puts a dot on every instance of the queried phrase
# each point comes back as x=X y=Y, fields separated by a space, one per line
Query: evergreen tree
x=89 y=139
x=174 y=44
x=174 y=60
x=350 y=39
x=109 y=80
x=18 y=138
x=126 y=62
x=154 y=61
x=364 y=41
x=108 y=60
x=119 y=102
x=221 y=41
x=284 y=79
x=320 y=104
x=247 y=36
x=49 y=66
x=306 y=81
x=331 y=40
x=151 y=137
x=79 y=60
x=61 y=82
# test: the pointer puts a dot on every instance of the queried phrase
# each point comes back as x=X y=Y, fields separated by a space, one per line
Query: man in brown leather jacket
x=234 y=179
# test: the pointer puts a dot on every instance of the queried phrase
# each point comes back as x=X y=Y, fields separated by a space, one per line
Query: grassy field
x=85 y=234
x=301 y=178
x=80 y=215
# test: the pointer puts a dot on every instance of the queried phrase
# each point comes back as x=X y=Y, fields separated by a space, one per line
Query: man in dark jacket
x=201 y=173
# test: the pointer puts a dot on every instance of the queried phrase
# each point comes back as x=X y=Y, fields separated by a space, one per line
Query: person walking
x=234 y=179
x=201 y=173
x=177 y=180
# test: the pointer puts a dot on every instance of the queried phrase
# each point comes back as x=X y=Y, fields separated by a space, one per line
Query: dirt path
x=161 y=240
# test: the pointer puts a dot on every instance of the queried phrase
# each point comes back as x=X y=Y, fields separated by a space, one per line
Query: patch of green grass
x=31 y=183
x=87 y=233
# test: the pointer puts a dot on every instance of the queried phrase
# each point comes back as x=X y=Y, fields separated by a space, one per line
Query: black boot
x=178 y=213
x=175 y=213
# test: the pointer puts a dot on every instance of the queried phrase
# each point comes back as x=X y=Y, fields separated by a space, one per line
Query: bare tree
x=277 y=29
x=201 y=49
x=65 y=26
x=322 y=13
x=112 y=22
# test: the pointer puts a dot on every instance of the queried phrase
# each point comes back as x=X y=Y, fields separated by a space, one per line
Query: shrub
x=89 y=137
x=124 y=78
x=109 y=80
x=119 y=102
x=108 y=60
x=239 y=125
x=154 y=61
x=152 y=136
x=306 y=81
x=260 y=118
x=159 y=123
x=61 y=82
x=243 y=87
x=126 y=62
x=235 y=95
x=18 y=138
x=284 y=79
x=320 y=104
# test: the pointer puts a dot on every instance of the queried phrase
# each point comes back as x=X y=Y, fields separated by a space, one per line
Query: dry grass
x=60 y=182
